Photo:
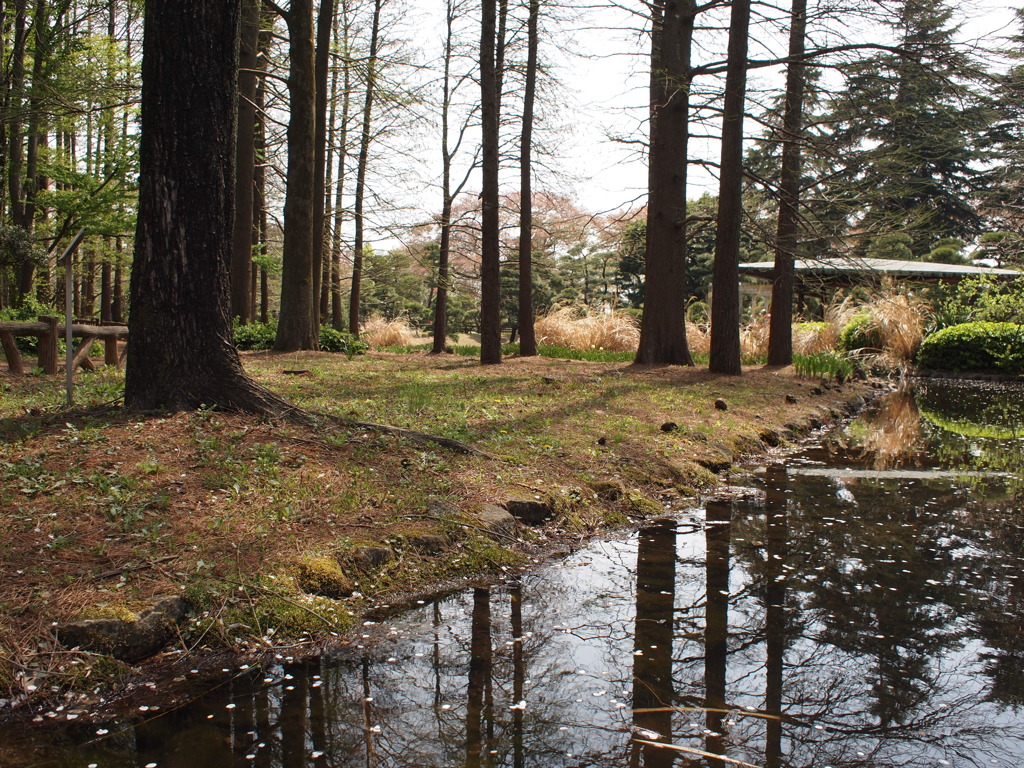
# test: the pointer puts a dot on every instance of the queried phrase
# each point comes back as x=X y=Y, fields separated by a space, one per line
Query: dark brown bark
x=361 y=164
x=527 y=337
x=725 y=309
x=490 y=281
x=663 y=324
x=295 y=323
x=324 y=27
x=780 y=331
x=180 y=353
x=245 y=164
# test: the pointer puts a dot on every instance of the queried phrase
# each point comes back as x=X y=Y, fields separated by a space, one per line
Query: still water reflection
x=859 y=606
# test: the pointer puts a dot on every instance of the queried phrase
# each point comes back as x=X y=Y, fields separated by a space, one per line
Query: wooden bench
x=49 y=331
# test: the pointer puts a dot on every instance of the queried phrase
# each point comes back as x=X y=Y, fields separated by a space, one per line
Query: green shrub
x=255 y=335
x=336 y=341
x=995 y=347
x=860 y=333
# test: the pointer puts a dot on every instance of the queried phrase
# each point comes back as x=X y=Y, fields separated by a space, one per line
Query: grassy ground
x=104 y=510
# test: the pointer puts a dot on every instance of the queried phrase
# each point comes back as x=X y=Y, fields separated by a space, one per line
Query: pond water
x=857 y=604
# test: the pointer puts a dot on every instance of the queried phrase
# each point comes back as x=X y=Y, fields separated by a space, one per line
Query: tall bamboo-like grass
x=379 y=332
x=568 y=327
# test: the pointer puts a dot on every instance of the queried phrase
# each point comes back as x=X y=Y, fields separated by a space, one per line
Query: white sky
x=605 y=93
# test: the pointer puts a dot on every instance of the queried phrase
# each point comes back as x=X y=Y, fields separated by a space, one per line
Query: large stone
x=127 y=640
x=530 y=511
x=497 y=521
x=369 y=558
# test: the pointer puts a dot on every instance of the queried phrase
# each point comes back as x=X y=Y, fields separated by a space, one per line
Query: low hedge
x=982 y=347
x=262 y=335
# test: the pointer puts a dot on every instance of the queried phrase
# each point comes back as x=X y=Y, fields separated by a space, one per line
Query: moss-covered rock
x=322 y=576
x=127 y=638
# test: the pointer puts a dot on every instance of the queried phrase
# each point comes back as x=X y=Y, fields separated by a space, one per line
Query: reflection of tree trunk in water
x=262 y=717
x=775 y=610
x=518 y=674
x=437 y=658
x=652 y=644
x=292 y=720
x=241 y=721
x=479 y=674
x=317 y=718
x=716 y=631
x=367 y=711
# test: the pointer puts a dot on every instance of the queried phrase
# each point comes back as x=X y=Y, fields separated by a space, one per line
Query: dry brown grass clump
x=568 y=327
x=819 y=337
x=698 y=338
x=900 y=323
x=754 y=337
x=378 y=332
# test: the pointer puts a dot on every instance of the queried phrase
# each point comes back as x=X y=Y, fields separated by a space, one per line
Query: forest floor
x=104 y=511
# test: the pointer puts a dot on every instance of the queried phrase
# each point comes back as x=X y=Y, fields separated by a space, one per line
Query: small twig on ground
x=136 y=567
x=484 y=531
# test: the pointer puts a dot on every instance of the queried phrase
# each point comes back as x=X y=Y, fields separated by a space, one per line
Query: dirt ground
x=104 y=511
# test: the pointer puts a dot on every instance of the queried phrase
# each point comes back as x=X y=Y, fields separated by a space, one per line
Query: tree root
x=421 y=438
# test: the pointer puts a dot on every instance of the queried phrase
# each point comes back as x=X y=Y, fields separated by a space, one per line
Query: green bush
x=995 y=347
x=336 y=341
x=262 y=335
x=255 y=335
x=860 y=333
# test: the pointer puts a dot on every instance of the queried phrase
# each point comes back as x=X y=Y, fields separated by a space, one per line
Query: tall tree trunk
x=259 y=193
x=180 y=351
x=245 y=164
x=663 y=323
x=490 y=280
x=117 y=300
x=780 y=331
x=295 y=323
x=725 y=310
x=16 y=140
x=527 y=337
x=341 y=33
x=361 y=163
x=324 y=27
x=444 y=246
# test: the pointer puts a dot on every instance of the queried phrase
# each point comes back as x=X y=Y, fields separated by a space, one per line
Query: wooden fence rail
x=49 y=331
